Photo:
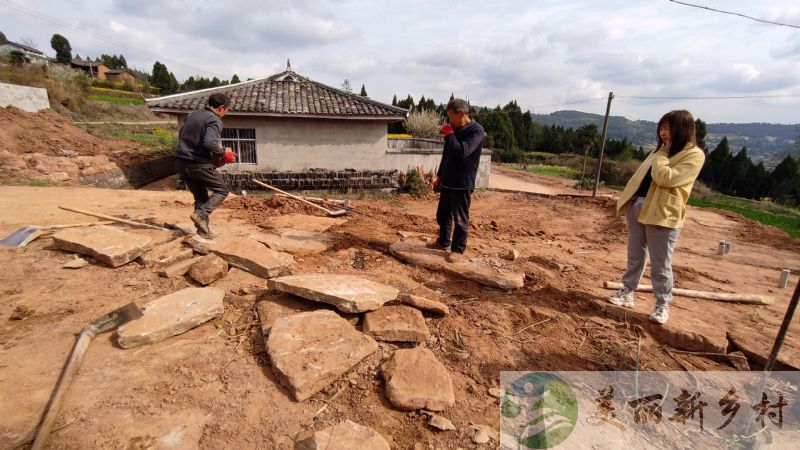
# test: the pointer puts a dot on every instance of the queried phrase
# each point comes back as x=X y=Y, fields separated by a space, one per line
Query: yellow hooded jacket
x=673 y=179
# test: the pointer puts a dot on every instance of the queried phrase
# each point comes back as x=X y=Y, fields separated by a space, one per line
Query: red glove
x=436 y=182
x=229 y=157
x=446 y=130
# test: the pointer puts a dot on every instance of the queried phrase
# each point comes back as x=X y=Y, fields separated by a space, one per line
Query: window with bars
x=243 y=143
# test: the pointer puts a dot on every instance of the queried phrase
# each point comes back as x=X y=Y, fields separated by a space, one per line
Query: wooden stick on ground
x=316 y=199
x=752 y=299
x=115 y=219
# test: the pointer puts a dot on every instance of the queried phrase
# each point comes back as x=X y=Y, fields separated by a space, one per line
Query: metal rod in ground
x=787 y=320
x=602 y=145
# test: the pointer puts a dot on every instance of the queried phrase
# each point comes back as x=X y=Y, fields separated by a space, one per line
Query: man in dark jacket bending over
x=198 y=153
x=455 y=180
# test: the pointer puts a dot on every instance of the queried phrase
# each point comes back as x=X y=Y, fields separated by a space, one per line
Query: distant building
x=94 y=69
x=120 y=76
x=31 y=54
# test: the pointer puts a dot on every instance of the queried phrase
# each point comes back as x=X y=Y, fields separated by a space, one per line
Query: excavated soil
x=213 y=387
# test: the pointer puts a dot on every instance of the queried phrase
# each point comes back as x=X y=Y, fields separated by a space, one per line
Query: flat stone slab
x=310 y=350
x=296 y=242
x=477 y=271
x=348 y=293
x=273 y=307
x=166 y=254
x=109 y=245
x=424 y=304
x=397 y=323
x=178 y=268
x=346 y=435
x=254 y=256
x=415 y=379
x=303 y=222
x=172 y=315
x=711 y=340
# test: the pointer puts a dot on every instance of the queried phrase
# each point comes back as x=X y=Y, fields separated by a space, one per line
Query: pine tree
x=736 y=174
x=714 y=171
x=63 y=50
x=235 y=79
x=215 y=82
x=786 y=181
x=394 y=100
x=700 y=133
x=163 y=80
x=363 y=91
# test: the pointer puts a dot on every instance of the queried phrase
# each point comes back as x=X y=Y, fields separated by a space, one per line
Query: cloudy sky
x=548 y=55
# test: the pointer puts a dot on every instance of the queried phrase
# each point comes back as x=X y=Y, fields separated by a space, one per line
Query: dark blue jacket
x=461 y=157
x=199 y=137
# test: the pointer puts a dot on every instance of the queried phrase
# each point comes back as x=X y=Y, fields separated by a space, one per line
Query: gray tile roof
x=286 y=94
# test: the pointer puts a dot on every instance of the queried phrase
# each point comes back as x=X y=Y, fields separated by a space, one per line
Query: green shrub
x=414 y=183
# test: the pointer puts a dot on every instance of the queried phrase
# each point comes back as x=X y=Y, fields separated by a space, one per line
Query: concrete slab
x=310 y=350
x=26 y=98
x=415 y=379
x=348 y=293
x=254 y=256
x=296 y=242
x=109 y=245
x=396 y=323
x=171 y=315
x=478 y=271
x=346 y=435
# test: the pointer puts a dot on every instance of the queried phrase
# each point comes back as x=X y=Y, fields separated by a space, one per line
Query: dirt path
x=214 y=386
x=504 y=179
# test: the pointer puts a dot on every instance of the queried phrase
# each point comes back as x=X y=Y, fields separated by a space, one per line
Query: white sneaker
x=660 y=314
x=624 y=297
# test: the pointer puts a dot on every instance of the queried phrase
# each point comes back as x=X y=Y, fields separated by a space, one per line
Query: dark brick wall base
x=315 y=179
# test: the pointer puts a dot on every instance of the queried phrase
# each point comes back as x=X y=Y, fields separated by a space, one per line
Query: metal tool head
x=117 y=317
x=341 y=212
x=22 y=237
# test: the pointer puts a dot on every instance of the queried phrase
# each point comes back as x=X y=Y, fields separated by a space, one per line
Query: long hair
x=681 y=127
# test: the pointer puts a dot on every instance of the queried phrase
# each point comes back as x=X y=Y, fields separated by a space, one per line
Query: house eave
x=178 y=112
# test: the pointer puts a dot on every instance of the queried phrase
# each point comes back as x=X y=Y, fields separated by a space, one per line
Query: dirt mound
x=46 y=146
x=256 y=209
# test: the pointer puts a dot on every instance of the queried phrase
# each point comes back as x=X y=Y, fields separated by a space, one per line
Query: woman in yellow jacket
x=654 y=204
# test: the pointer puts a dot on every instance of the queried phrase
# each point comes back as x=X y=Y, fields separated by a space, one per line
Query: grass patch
x=116 y=100
x=13 y=179
x=147 y=135
x=541 y=169
x=789 y=223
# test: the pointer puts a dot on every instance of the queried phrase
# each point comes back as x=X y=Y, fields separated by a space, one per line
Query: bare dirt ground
x=514 y=180
x=213 y=385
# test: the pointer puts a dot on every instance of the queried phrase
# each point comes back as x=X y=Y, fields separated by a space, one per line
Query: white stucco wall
x=296 y=144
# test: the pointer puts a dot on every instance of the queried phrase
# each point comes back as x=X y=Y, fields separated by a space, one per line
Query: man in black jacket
x=199 y=148
x=455 y=180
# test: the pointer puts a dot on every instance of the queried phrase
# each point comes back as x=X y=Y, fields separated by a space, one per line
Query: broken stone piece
x=109 y=245
x=512 y=255
x=415 y=379
x=424 y=304
x=484 y=434
x=171 y=315
x=396 y=324
x=346 y=435
x=441 y=423
x=165 y=254
x=347 y=292
x=77 y=263
x=179 y=268
x=296 y=242
x=496 y=392
x=208 y=269
x=311 y=350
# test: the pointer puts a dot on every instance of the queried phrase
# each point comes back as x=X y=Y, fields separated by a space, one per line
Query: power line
x=718 y=97
x=53 y=21
x=736 y=14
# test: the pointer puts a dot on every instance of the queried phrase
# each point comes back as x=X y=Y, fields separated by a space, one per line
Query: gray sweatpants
x=656 y=242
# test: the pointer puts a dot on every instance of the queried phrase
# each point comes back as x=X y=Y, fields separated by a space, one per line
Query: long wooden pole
x=115 y=219
x=787 y=320
x=602 y=145
x=329 y=212
x=718 y=296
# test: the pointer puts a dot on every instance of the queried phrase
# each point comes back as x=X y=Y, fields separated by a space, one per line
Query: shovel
x=26 y=235
x=338 y=213
x=105 y=323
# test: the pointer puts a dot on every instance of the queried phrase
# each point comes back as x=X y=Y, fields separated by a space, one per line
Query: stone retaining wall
x=314 y=179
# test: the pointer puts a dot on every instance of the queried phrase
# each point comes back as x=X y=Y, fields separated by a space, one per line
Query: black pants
x=200 y=178
x=453 y=208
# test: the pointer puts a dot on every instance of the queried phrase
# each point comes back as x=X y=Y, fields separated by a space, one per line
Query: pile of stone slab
x=311 y=342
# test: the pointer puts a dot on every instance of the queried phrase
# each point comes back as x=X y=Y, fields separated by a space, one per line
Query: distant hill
x=766 y=142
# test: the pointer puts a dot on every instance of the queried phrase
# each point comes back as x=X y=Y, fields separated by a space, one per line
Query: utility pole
x=602 y=145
